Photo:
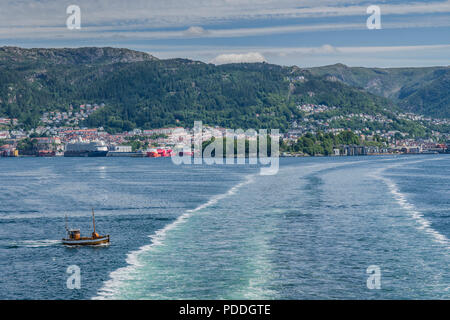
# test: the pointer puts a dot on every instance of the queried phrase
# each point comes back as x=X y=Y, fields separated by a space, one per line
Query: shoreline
x=246 y=157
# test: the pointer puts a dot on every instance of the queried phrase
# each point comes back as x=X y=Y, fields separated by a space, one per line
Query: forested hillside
x=142 y=91
x=421 y=90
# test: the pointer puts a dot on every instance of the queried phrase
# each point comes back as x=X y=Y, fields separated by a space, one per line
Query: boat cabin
x=74 y=234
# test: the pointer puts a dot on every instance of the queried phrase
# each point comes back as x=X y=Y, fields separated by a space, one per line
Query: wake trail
x=112 y=286
x=401 y=199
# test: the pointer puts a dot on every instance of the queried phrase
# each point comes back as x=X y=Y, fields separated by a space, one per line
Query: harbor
x=162 y=142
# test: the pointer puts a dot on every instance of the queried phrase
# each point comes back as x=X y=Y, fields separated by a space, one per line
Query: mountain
x=142 y=91
x=14 y=57
x=420 y=90
x=37 y=80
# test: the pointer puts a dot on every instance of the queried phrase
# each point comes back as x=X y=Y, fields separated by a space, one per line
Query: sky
x=305 y=33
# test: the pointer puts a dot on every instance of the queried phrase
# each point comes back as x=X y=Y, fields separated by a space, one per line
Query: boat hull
x=85 y=153
x=86 y=241
x=126 y=154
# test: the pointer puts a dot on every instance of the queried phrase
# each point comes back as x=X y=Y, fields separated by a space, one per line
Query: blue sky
x=301 y=32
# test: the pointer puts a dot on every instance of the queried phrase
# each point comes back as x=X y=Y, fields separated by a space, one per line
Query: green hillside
x=421 y=90
x=142 y=91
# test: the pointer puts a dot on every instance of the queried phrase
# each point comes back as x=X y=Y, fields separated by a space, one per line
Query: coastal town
x=62 y=131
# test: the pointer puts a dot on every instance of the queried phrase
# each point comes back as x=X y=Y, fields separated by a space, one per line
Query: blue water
x=226 y=232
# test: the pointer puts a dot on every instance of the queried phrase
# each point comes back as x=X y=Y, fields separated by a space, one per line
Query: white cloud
x=105 y=32
x=327 y=49
x=195 y=32
x=371 y=56
x=264 y=52
x=182 y=13
x=238 y=58
x=143 y=23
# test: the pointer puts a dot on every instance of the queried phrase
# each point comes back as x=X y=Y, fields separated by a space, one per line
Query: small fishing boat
x=75 y=238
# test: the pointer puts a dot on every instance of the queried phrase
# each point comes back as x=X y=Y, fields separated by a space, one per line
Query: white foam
x=423 y=223
x=112 y=286
x=36 y=243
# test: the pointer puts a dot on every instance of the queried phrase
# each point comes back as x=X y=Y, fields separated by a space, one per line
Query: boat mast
x=93 y=219
x=67 y=229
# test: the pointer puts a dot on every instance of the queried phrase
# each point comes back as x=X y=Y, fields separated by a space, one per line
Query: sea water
x=226 y=232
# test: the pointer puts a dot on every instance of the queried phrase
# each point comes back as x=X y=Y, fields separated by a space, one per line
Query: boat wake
x=402 y=200
x=112 y=286
x=424 y=224
x=33 y=243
